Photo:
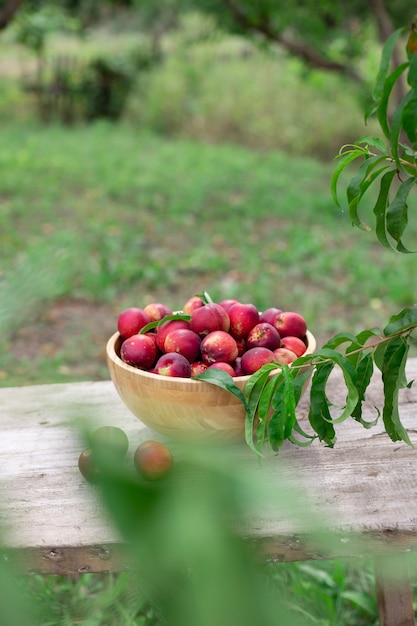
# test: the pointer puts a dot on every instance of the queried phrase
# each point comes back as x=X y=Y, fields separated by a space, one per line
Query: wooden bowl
x=180 y=407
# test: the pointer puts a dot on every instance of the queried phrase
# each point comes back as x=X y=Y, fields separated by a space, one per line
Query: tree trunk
x=8 y=11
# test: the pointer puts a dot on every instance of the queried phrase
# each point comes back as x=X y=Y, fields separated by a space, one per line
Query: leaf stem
x=369 y=153
x=369 y=346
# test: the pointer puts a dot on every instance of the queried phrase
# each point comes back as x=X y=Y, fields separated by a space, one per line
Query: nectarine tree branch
x=298 y=48
x=316 y=360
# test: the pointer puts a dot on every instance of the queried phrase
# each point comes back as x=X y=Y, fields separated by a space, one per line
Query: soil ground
x=53 y=335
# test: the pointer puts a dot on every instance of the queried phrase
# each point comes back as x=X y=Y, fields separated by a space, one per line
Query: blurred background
x=152 y=150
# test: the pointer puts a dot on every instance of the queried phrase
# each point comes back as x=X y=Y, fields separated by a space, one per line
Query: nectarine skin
x=263 y=335
x=167 y=327
x=157 y=311
x=112 y=439
x=218 y=346
x=237 y=366
x=197 y=367
x=254 y=358
x=290 y=323
x=139 y=351
x=295 y=344
x=173 y=364
x=225 y=367
x=284 y=356
x=184 y=341
x=88 y=467
x=209 y=318
x=195 y=302
x=269 y=315
x=241 y=345
x=226 y=304
x=153 y=460
x=243 y=317
x=131 y=320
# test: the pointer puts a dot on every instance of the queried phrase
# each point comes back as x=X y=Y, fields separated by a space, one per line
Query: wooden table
x=364 y=490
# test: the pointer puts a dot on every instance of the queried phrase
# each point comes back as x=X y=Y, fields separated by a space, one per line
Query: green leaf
x=350 y=378
x=344 y=159
x=319 y=414
x=397 y=213
x=387 y=52
x=353 y=346
x=253 y=392
x=299 y=383
x=396 y=127
x=224 y=380
x=370 y=140
x=370 y=111
x=152 y=325
x=205 y=296
x=264 y=410
x=283 y=418
x=362 y=600
x=382 y=109
x=380 y=209
x=393 y=375
x=412 y=72
x=402 y=322
x=359 y=185
x=300 y=378
x=255 y=386
x=364 y=369
x=290 y=401
x=365 y=335
x=302 y=444
x=409 y=120
x=379 y=353
x=339 y=339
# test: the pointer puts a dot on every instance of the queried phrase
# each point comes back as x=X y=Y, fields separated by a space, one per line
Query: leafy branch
x=271 y=401
x=391 y=161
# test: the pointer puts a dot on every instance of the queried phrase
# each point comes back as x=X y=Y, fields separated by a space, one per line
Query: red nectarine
x=208 y=318
x=254 y=358
x=139 y=351
x=263 y=335
x=243 y=317
x=173 y=364
x=130 y=321
x=218 y=346
x=184 y=341
x=153 y=460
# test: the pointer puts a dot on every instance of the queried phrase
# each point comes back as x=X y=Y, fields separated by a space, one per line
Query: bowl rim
x=112 y=354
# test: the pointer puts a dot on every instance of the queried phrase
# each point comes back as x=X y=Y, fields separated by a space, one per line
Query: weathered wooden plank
x=364 y=490
x=68 y=560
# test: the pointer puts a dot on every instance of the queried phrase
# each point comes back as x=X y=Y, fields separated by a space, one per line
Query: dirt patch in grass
x=71 y=333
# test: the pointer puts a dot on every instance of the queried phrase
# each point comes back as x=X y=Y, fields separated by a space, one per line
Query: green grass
x=327 y=593
x=92 y=600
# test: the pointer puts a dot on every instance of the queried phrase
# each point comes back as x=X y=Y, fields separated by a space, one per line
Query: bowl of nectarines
x=156 y=353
